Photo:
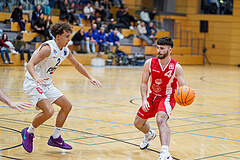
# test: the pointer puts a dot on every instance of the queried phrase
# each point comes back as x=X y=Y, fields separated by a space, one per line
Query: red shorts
x=158 y=103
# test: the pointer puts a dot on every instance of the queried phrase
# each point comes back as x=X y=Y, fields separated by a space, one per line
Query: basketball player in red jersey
x=165 y=72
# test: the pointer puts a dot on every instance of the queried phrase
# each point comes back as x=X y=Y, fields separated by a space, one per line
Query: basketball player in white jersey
x=39 y=87
x=165 y=72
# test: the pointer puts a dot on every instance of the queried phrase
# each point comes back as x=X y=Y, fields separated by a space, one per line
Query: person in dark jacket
x=79 y=39
x=35 y=15
x=151 y=31
x=40 y=27
x=17 y=17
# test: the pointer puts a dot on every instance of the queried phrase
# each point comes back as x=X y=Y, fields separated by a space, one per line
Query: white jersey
x=46 y=67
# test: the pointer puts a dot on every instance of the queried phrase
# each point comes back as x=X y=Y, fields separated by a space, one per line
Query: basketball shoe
x=27 y=140
x=58 y=142
x=165 y=156
x=146 y=140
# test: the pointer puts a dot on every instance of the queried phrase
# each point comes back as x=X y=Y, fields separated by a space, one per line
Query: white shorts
x=36 y=93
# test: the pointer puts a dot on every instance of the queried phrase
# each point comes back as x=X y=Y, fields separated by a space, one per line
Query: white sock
x=56 y=132
x=31 y=129
x=149 y=133
x=164 y=148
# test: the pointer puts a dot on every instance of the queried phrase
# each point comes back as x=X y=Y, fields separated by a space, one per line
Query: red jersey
x=164 y=81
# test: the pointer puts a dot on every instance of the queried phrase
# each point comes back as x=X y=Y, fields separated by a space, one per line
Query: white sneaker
x=25 y=64
x=13 y=51
x=165 y=156
x=74 y=52
x=146 y=141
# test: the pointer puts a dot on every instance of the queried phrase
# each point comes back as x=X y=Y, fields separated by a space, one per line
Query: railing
x=186 y=36
x=197 y=46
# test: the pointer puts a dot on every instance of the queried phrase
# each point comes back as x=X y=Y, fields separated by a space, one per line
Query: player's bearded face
x=162 y=51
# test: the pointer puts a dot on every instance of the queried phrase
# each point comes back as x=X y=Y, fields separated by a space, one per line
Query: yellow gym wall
x=223 y=30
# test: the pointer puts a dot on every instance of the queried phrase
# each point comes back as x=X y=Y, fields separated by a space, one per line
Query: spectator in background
x=111 y=26
x=45 y=5
x=94 y=33
x=107 y=9
x=142 y=32
x=89 y=41
x=129 y=17
x=17 y=17
x=40 y=27
x=88 y=12
x=35 y=15
x=101 y=40
x=26 y=4
x=153 y=14
x=122 y=19
x=5 y=3
x=98 y=22
x=52 y=3
x=4 y=49
x=21 y=46
x=72 y=18
x=151 y=31
x=113 y=40
x=48 y=23
x=7 y=42
x=63 y=10
x=144 y=15
x=99 y=8
x=79 y=39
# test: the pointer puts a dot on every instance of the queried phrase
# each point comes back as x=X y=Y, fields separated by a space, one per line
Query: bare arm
x=14 y=105
x=44 y=52
x=81 y=69
x=144 y=85
x=179 y=75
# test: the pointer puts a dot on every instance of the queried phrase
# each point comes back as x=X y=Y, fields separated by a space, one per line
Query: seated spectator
x=5 y=3
x=63 y=10
x=111 y=26
x=144 y=15
x=153 y=14
x=26 y=4
x=98 y=22
x=89 y=41
x=17 y=17
x=88 y=12
x=99 y=8
x=72 y=18
x=101 y=40
x=113 y=40
x=4 y=48
x=151 y=31
x=35 y=15
x=94 y=33
x=48 y=23
x=40 y=27
x=21 y=47
x=44 y=4
x=142 y=33
x=79 y=39
x=107 y=9
x=129 y=18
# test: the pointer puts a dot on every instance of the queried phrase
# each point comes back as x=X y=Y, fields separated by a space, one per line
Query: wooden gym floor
x=100 y=125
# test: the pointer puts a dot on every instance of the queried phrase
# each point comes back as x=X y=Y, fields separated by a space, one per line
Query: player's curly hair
x=165 y=41
x=59 y=27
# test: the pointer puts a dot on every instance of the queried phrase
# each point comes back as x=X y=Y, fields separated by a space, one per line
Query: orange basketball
x=184 y=95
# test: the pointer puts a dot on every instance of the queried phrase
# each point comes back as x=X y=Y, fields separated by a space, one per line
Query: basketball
x=184 y=95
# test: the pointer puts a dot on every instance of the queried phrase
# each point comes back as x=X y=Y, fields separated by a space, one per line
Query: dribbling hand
x=145 y=106
x=41 y=81
x=96 y=82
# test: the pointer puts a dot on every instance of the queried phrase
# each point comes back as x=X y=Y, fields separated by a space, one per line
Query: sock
x=56 y=132
x=31 y=129
x=149 y=133
x=164 y=148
